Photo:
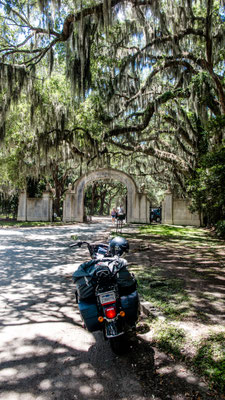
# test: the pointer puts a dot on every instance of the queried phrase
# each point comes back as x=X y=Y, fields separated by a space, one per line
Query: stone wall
x=22 y=207
x=176 y=211
x=35 y=209
x=182 y=215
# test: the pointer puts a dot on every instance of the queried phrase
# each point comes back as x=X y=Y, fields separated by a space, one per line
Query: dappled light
x=112 y=117
x=34 y=266
x=45 y=351
x=185 y=283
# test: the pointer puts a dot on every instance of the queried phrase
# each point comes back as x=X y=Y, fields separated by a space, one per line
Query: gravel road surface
x=44 y=351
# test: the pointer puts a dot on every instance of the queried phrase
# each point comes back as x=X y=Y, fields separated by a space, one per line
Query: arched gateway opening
x=101 y=196
x=137 y=203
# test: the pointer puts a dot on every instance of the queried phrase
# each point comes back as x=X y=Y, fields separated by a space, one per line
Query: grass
x=171 y=230
x=175 y=236
x=25 y=224
x=168 y=295
x=187 y=236
x=74 y=237
x=169 y=338
x=199 y=257
x=210 y=360
x=164 y=290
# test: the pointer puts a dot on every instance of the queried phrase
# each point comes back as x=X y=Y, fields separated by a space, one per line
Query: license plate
x=107 y=298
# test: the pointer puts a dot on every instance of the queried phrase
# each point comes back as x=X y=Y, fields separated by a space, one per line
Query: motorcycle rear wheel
x=119 y=344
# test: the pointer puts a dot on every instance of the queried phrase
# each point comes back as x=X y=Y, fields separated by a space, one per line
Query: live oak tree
x=150 y=70
x=101 y=196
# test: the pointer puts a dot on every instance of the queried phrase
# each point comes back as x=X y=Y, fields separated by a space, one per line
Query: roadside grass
x=177 y=305
x=177 y=237
x=169 y=338
x=210 y=360
x=25 y=224
x=181 y=236
x=192 y=243
x=167 y=295
x=173 y=235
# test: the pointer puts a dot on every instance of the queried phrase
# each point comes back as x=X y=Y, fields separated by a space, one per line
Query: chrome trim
x=112 y=336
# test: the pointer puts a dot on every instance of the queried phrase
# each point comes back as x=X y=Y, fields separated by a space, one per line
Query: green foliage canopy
x=137 y=82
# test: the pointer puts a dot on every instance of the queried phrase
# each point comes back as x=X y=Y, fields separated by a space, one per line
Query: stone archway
x=137 y=203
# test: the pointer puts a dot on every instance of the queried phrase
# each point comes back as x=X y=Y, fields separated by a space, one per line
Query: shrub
x=220 y=229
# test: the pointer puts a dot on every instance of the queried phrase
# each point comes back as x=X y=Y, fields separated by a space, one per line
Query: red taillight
x=110 y=312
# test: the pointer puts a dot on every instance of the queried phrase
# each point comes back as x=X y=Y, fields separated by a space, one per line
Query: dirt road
x=44 y=352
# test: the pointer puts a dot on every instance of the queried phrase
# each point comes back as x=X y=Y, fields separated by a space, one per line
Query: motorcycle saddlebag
x=85 y=287
x=130 y=304
x=89 y=313
x=126 y=282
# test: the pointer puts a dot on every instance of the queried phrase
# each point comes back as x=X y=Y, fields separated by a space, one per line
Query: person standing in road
x=120 y=213
x=120 y=210
x=113 y=215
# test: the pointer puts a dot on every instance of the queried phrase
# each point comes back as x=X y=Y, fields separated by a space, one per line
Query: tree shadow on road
x=48 y=369
x=46 y=355
x=181 y=283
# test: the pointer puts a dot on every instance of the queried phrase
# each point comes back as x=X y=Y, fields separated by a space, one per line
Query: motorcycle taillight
x=110 y=312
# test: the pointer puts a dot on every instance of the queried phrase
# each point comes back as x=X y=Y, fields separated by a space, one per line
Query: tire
x=119 y=344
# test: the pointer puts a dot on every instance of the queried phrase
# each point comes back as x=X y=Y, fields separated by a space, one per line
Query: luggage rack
x=96 y=250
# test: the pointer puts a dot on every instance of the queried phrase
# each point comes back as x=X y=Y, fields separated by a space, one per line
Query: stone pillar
x=133 y=207
x=47 y=206
x=68 y=204
x=22 y=207
x=140 y=208
x=143 y=208
x=168 y=208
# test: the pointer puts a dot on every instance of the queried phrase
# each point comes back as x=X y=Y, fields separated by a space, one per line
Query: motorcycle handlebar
x=78 y=244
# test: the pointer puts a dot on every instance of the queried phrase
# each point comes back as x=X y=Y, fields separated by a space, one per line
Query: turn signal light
x=110 y=312
x=100 y=319
x=122 y=313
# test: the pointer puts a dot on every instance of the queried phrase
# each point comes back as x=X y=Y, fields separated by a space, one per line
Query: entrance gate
x=137 y=203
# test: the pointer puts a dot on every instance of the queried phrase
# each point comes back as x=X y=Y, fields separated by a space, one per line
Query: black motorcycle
x=106 y=292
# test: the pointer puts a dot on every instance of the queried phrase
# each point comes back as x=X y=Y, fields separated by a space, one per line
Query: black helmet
x=118 y=245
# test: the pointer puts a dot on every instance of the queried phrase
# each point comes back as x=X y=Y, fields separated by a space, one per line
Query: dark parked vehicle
x=155 y=214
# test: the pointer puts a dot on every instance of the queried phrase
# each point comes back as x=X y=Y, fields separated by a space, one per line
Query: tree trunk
x=58 y=195
x=93 y=198
x=102 y=202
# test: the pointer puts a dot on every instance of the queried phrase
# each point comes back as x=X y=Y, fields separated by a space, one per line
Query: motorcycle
x=106 y=292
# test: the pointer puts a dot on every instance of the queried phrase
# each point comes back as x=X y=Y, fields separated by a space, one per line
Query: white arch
x=137 y=207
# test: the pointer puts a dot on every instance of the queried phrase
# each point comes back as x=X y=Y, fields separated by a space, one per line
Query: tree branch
x=147 y=114
x=170 y=158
